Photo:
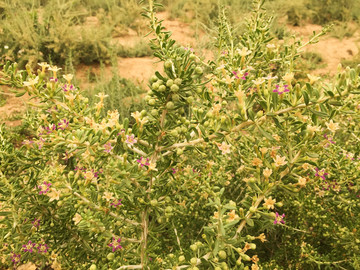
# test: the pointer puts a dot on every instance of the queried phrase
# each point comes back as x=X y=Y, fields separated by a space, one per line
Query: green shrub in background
x=326 y=11
x=45 y=31
x=123 y=95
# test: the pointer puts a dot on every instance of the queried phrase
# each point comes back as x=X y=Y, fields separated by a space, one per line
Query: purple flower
x=279 y=218
x=243 y=75
x=115 y=244
x=44 y=187
x=36 y=223
x=108 y=147
x=321 y=173
x=42 y=248
x=68 y=87
x=63 y=124
x=280 y=89
x=329 y=139
x=122 y=132
x=40 y=143
x=29 y=247
x=131 y=139
x=52 y=79
x=173 y=170
x=116 y=204
x=143 y=162
x=15 y=258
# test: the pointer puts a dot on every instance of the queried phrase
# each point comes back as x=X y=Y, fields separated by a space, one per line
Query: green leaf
x=250 y=222
x=265 y=134
x=306 y=97
x=20 y=94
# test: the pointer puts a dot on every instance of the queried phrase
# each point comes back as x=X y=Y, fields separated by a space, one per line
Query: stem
x=101 y=209
x=248 y=215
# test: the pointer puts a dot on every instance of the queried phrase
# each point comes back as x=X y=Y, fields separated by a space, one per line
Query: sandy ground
x=332 y=51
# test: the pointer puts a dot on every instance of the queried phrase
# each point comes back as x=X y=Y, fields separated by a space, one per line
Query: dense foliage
x=233 y=164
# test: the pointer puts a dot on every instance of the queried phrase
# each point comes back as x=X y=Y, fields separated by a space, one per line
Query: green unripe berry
x=193 y=261
x=222 y=254
x=162 y=88
x=153 y=78
x=194 y=247
x=93 y=267
x=174 y=133
x=217 y=268
x=252 y=246
x=110 y=256
x=154 y=202
x=174 y=88
x=143 y=113
x=168 y=209
x=170 y=105
x=155 y=86
x=192 y=56
x=198 y=70
x=178 y=81
x=190 y=100
x=168 y=64
x=175 y=97
x=152 y=102
x=195 y=268
x=169 y=83
x=154 y=112
x=179 y=152
x=181 y=258
x=160 y=82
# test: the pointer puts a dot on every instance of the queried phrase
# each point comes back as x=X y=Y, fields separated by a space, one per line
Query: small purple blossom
x=190 y=49
x=122 y=132
x=52 y=79
x=116 y=203
x=131 y=139
x=174 y=170
x=15 y=258
x=115 y=244
x=42 y=248
x=108 y=147
x=68 y=87
x=29 y=247
x=40 y=143
x=27 y=142
x=143 y=162
x=280 y=89
x=36 y=223
x=63 y=124
x=243 y=75
x=279 y=218
x=321 y=173
x=330 y=139
x=44 y=187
